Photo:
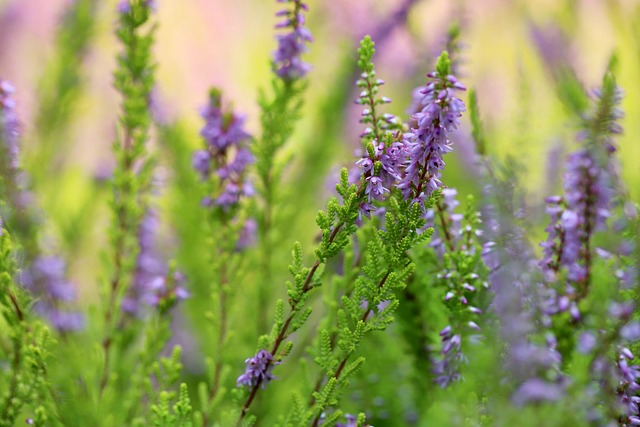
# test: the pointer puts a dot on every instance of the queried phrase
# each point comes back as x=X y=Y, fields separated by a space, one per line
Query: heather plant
x=409 y=302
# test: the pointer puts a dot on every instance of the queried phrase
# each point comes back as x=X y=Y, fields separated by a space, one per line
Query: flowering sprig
x=384 y=153
x=580 y=213
x=385 y=273
x=222 y=166
x=44 y=275
x=337 y=225
x=428 y=140
x=279 y=114
x=134 y=79
x=154 y=284
x=258 y=369
x=291 y=46
x=463 y=276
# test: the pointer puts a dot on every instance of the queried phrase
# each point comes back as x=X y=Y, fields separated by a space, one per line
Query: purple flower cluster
x=9 y=126
x=447 y=369
x=587 y=199
x=582 y=211
x=428 y=141
x=385 y=153
x=226 y=154
x=47 y=277
x=258 y=370
x=618 y=378
x=380 y=169
x=293 y=44
x=458 y=275
x=152 y=282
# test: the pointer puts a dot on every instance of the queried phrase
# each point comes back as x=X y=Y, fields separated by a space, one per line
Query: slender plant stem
x=283 y=333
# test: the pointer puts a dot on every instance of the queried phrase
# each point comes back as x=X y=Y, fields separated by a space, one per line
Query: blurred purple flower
x=352 y=421
x=292 y=45
x=46 y=277
x=537 y=390
x=151 y=283
x=226 y=154
x=258 y=369
x=9 y=126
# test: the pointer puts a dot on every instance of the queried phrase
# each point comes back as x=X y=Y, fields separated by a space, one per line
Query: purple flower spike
x=292 y=45
x=226 y=154
x=258 y=370
x=9 y=126
x=427 y=142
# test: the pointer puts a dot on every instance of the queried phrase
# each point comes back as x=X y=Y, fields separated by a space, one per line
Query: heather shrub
x=186 y=283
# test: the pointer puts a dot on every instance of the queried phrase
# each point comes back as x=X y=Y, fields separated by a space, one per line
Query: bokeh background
x=509 y=51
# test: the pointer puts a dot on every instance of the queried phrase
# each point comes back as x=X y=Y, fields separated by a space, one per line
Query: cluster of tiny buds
x=369 y=85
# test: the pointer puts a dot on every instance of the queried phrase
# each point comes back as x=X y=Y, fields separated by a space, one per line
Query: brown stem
x=215 y=386
x=282 y=335
x=118 y=256
x=444 y=224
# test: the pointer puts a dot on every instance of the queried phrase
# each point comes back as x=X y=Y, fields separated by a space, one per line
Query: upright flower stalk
x=428 y=140
x=222 y=166
x=291 y=45
x=280 y=112
x=134 y=79
x=585 y=206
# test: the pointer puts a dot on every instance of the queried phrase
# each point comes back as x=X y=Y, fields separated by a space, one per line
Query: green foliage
x=477 y=131
x=24 y=347
x=403 y=274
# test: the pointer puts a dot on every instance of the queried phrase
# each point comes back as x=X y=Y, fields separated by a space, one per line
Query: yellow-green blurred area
x=228 y=44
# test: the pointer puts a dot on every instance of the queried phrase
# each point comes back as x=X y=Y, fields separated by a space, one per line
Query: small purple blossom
x=352 y=421
x=292 y=45
x=258 y=370
x=124 y=7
